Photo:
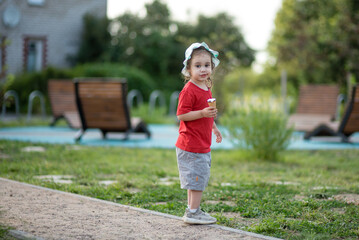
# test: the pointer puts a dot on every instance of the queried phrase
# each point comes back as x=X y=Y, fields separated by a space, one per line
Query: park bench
x=317 y=104
x=63 y=103
x=348 y=125
x=102 y=104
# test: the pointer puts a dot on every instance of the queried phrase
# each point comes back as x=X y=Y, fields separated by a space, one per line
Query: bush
x=25 y=83
x=260 y=129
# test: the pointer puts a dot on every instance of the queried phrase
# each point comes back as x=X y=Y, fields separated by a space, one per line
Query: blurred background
x=260 y=43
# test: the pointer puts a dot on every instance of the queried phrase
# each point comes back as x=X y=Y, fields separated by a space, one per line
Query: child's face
x=201 y=67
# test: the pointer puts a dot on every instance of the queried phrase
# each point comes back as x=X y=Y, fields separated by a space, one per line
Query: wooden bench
x=348 y=125
x=317 y=104
x=63 y=103
x=102 y=104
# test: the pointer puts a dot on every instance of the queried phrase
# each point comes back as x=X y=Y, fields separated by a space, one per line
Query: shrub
x=25 y=83
x=262 y=130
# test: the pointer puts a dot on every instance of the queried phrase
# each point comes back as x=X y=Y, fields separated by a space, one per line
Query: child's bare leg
x=194 y=199
x=188 y=197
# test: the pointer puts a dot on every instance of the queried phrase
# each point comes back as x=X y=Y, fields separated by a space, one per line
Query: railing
x=156 y=96
x=11 y=93
x=32 y=96
x=132 y=95
x=173 y=103
x=153 y=97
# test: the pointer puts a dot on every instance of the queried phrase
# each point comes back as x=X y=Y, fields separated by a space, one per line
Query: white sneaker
x=199 y=217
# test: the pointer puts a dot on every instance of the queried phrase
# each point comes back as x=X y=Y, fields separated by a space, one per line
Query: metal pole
x=284 y=90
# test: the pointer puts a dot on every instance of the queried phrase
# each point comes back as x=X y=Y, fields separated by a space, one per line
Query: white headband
x=188 y=55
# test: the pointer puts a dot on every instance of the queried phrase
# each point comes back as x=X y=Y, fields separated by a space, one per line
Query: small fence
x=156 y=99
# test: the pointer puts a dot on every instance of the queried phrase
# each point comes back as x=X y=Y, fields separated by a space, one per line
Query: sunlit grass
x=294 y=198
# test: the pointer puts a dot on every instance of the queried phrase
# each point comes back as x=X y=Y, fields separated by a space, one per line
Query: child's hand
x=209 y=112
x=218 y=135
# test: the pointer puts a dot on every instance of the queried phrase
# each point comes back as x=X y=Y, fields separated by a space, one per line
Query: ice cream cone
x=212 y=102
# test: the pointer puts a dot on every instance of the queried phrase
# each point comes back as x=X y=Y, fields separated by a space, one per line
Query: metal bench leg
x=104 y=133
x=79 y=135
x=54 y=120
x=127 y=134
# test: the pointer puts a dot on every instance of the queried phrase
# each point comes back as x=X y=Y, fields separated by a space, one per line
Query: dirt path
x=51 y=214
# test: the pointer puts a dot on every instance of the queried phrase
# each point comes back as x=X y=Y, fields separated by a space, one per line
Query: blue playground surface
x=163 y=136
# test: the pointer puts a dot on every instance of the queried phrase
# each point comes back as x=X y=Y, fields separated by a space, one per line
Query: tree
x=317 y=41
x=221 y=34
x=94 y=40
x=156 y=44
x=148 y=43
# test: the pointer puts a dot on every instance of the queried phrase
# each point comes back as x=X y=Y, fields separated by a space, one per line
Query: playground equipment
x=173 y=103
x=32 y=96
x=153 y=97
x=132 y=95
x=11 y=93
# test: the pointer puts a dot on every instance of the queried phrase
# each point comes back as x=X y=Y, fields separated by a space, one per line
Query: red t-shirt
x=194 y=136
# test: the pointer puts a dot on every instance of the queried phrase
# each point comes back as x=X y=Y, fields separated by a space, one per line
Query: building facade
x=35 y=34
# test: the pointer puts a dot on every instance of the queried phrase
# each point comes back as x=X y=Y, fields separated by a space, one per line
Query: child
x=195 y=131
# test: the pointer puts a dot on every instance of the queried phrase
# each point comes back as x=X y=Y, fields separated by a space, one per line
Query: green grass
x=158 y=116
x=4 y=231
x=243 y=192
x=34 y=121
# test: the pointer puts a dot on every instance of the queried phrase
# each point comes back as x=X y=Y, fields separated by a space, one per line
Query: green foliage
x=156 y=44
x=158 y=15
x=4 y=85
x=148 y=43
x=223 y=35
x=316 y=41
x=25 y=83
x=290 y=199
x=4 y=232
x=262 y=130
x=245 y=80
x=35 y=121
x=94 y=40
x=147 y=50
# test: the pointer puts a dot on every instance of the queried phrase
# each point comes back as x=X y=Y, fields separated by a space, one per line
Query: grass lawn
x=300 y=197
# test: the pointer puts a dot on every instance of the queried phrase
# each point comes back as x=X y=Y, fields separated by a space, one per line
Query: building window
x=34 y=54
x=36 y=2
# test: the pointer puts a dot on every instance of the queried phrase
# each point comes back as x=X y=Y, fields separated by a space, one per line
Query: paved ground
x=49 y=214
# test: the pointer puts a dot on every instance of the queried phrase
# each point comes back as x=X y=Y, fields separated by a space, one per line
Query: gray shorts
x=194 y=169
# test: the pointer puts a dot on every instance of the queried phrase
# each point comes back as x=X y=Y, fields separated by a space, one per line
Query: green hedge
x=25 y=83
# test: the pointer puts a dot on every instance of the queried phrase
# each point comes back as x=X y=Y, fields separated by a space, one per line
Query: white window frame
x=35 y=59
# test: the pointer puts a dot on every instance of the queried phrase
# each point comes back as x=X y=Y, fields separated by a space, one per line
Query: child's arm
x=208 y=112
x=217 y=133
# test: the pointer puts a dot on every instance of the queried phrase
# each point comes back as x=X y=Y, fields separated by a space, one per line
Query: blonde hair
x=197 y=51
